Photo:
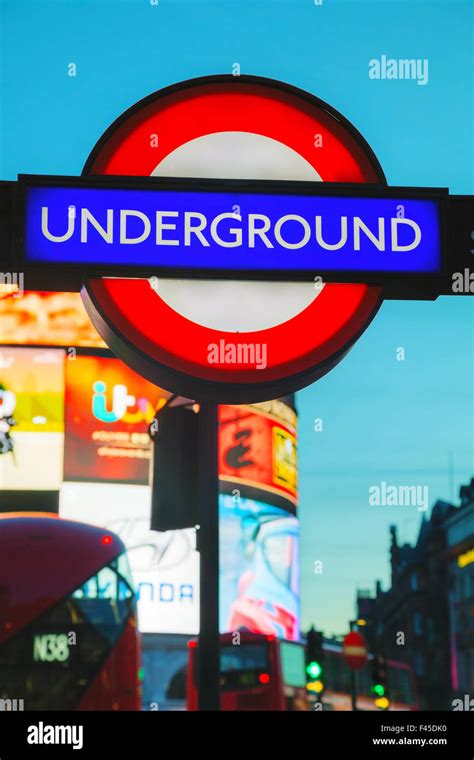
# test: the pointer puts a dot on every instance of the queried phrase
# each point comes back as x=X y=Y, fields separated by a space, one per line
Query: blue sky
x=383 y=419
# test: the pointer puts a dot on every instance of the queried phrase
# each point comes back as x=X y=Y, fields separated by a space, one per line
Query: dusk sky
x=383 y=419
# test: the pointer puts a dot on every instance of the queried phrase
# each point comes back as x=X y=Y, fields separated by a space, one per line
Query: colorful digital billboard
x=91 y=413
x=165 y=566
x=42 y=318
x=259 y=565
x=108 y=411
x=31 y=418
x=259 y=568
x=259 y=532
x=107 y=442
x=258 y=452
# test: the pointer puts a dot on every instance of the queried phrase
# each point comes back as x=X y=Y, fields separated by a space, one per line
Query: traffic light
x=314 y=660
x=174 y=468
x=380 y=683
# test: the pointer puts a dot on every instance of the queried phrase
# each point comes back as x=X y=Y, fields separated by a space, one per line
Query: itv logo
x=122 y=402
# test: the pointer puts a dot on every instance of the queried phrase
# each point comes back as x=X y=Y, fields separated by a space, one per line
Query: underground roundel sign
x=232 y=340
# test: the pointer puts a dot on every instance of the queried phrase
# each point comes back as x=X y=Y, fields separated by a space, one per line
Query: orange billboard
x=46 y=319
x=258 y=452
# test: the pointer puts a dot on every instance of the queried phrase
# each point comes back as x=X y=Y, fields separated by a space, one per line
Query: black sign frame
x=454 y=211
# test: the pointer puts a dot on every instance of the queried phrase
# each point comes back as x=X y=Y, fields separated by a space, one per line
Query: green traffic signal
x=378 y=689
x=314 y=669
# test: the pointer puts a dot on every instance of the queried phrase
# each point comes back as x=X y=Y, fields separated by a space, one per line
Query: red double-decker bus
x=258 y=672
x=68 y=628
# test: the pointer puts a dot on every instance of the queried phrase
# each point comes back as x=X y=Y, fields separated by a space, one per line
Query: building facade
x=460 y=542
x=426 y=617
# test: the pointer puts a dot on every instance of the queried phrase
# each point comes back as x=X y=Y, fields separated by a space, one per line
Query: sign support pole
x=354 y=690
x=208 y=538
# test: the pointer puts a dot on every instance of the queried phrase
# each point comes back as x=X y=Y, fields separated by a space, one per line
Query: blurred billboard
x=108 y=410
x=31 y=418
x=77 y=420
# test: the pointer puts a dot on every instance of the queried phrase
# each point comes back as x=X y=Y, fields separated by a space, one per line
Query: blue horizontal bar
x=188 y=230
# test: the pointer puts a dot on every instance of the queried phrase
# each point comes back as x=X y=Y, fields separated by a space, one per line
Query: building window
x=417 y=624
x=467 y=587
x=430 y=630
x=419 y=663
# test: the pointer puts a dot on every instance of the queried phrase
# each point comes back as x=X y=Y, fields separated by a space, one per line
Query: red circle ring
x=166 y=347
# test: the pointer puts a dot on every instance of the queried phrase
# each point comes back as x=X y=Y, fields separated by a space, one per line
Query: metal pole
x=354 y=689
x=208 y=543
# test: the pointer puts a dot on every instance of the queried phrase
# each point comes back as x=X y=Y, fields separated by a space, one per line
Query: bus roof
x=246 y=637
x=44 y=557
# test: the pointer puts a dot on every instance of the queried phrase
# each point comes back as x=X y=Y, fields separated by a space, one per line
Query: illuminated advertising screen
x=79 y=424
x=258 y=452
x=165 y=566
x=31 y=418
x=42 y=318
x=108 y=410
x=259 y=568
x=259 y=565
x=107 y=440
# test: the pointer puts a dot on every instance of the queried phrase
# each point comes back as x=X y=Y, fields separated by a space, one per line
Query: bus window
x=243 y=664
x=105 y=599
